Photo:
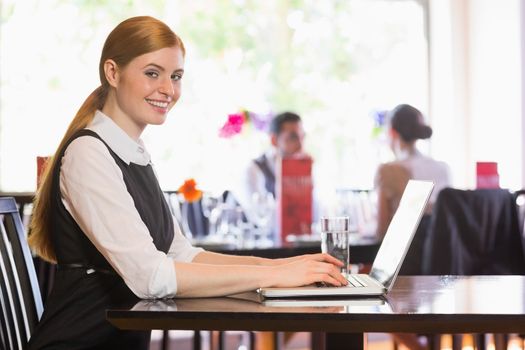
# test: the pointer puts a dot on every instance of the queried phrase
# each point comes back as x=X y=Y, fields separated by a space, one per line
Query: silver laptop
x=389 y=258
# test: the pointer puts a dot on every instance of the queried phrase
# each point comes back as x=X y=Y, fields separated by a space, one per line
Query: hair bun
x=408 y=122
x=425 y=132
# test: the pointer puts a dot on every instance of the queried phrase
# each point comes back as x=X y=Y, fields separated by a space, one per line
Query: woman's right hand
x=308 y=269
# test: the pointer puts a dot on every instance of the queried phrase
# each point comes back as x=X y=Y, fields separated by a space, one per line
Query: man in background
x=258 y=193
x=286 y=137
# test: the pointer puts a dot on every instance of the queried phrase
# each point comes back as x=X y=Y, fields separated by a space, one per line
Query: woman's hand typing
x=307 y=269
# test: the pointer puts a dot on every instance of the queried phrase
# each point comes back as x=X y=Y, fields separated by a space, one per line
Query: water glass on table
x=335 y=239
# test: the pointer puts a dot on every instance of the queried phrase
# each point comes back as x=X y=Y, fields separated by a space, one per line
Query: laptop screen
x=400 y=232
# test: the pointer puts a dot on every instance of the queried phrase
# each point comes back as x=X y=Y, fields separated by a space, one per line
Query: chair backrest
x=20 y=300
x=474 y=232
x=190 y=216
x=519 y=196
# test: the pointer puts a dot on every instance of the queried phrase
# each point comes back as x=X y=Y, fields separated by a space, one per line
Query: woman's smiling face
x=147 y=88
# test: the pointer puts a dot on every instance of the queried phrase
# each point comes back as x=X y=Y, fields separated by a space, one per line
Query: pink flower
x=233 y=125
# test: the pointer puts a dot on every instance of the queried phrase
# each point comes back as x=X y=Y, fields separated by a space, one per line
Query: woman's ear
x=273 y=140
x=392 y=133
x=111 y=72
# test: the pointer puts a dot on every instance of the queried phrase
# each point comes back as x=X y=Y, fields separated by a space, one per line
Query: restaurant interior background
x=339 y=64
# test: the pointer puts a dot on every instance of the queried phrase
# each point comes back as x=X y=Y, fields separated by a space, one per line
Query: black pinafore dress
x=75 y=313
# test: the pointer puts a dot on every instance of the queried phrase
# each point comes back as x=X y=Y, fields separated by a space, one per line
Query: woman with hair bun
x=406 y=126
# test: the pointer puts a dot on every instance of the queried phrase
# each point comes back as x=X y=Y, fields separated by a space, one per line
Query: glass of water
x=335 y=239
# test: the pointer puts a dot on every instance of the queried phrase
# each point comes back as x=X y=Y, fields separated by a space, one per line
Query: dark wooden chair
x=45 y=271
x=475 y=232
x=20 y=299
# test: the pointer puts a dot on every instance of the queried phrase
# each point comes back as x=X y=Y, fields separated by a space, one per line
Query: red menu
x=487 y=175
x=294 y=188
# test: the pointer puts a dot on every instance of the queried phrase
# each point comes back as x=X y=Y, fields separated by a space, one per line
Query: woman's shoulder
x=393 y=167
x=86 y=144
x=85 y=156
x=394 y=172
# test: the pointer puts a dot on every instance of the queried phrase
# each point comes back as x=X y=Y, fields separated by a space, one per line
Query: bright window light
x=335 y=63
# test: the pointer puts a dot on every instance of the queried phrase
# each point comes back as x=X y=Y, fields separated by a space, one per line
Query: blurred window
x=336 y=63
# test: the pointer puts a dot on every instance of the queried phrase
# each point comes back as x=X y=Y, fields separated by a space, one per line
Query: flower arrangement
x=237 y=122
x=189 y=191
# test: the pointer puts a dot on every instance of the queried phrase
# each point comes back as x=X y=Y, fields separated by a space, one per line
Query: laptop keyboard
x=353 y=280
x=356 y=281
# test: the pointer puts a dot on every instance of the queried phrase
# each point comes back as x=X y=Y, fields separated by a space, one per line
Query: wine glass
x=211 y=211
x=229 y=223
x=263 y=205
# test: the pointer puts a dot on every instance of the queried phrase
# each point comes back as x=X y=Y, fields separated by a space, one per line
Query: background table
x=420 y=304
x=363 y=249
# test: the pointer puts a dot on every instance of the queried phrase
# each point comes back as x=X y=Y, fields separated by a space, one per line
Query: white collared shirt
x=94 y=193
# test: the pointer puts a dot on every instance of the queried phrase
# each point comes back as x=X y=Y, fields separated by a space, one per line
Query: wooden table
x=417 y=304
